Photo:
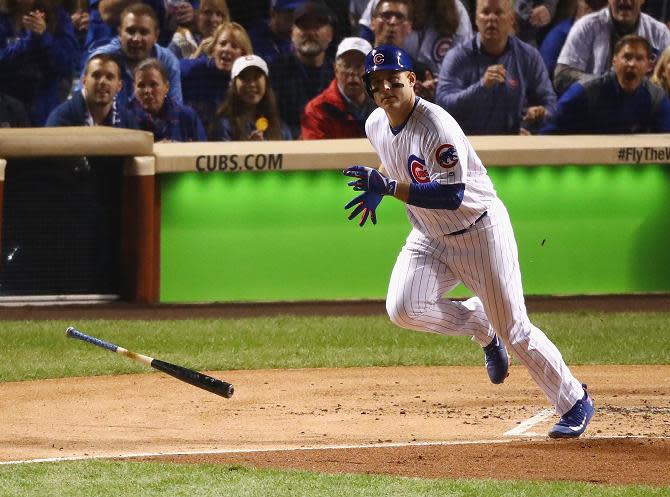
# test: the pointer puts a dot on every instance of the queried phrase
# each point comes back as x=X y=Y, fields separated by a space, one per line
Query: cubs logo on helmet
x=446 y=156
x=416 y=167
x=386 y=58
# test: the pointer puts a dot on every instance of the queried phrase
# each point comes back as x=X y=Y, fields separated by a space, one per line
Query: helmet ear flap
x=368 y=88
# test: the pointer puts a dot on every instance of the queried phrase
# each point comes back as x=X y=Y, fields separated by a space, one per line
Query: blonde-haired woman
x=661 y=75
x=205 y=80
x=210 y=15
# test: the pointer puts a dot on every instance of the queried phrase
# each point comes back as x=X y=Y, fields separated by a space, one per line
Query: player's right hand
x=367 y=204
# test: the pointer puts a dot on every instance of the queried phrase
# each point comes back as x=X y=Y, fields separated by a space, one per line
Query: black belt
x=460 y=232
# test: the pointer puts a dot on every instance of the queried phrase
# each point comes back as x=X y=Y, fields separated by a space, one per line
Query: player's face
x=151 y=89
x=102 y=81
x=226 y=50
x=630 y=66
x=627 y=12
x=349 y=69
x=250 y=85
x=391 y=25
x=494 y=20
x=393 y=90
x=138 y=35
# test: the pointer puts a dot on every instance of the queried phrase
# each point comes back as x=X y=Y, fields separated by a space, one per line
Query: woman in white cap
x=249 y=111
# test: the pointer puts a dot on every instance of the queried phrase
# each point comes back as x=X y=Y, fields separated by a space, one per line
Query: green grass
x=100 y=478
x=39 y=349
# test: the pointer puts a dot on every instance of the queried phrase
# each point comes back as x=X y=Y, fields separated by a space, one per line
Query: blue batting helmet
x=386 y=58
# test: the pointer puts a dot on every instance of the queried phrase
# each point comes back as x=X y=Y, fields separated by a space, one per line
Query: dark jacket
x=295 y=85
x=12 y=113
x=74 y=112
x=204 y=87
x=600 y=106
x=32 y=66
x=178 y=123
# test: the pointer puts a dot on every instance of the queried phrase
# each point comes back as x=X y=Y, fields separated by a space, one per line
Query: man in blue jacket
x=495 y=83
x=619 y=102
x=95 y=104
x=138 y=34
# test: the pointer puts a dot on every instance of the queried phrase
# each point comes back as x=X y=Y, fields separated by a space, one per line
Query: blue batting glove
x=367 y=203
x=370 y=180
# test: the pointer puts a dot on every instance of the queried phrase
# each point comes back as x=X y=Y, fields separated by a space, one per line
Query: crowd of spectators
x=197 y=70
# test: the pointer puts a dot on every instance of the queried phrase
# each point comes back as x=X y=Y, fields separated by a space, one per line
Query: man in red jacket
x=341 y=109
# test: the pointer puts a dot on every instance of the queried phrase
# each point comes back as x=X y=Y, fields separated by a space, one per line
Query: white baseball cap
x=353 y=43
x=241 y=63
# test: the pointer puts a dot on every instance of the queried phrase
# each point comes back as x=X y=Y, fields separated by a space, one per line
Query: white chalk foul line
x=258 y=450
x=309 y=448
x=524 y=426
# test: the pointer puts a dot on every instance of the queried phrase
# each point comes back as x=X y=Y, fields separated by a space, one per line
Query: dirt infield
x=355 y=419
x=413 y=421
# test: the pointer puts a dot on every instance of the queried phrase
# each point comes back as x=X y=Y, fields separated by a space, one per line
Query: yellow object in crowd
x=262 y=124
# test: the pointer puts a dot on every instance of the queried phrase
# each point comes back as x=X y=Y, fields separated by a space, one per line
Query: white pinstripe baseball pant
x=485 y=259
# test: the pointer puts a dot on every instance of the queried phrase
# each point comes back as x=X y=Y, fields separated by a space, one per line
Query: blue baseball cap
x=287 y=4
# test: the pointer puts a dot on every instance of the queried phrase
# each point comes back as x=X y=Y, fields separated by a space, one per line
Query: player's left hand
x=370 y=180
x=367 y=203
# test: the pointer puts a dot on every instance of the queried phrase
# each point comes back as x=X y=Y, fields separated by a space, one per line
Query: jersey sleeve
x=446 y=154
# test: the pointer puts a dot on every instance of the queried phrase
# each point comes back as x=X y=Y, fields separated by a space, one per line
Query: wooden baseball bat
x=190 y=376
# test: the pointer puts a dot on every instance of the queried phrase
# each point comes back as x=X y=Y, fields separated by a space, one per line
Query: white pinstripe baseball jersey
x=432 y=147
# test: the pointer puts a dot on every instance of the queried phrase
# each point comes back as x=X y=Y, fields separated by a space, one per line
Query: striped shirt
x=430 y=146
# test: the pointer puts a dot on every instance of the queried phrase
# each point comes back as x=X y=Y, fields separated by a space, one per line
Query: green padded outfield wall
x=284 y=236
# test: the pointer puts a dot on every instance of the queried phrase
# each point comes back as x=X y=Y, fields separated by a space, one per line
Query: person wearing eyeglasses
x=341 y=109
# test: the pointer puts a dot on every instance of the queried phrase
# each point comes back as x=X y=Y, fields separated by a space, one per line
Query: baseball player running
x=461 y=232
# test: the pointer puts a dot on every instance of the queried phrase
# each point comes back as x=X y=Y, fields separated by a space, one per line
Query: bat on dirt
x=190 y=376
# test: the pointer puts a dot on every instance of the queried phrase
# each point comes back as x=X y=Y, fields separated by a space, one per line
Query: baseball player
x=461 y=232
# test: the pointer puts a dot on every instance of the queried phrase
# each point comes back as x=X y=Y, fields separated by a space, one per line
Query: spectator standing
x=38 y=49
x=437 y=26
x=621 y=101
x=210 y=15
x=390 y=24
x=158 y=113
x=661 y=74
x=300 y=76
x=553 y=43
x=137 y=41
x=205 y=80
x=495 y=83
x=271 y=38
x=12 y=113
x=105 y=18
x=250 y=109
x=587 y=51
x=95 y=104
x=341 y=109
